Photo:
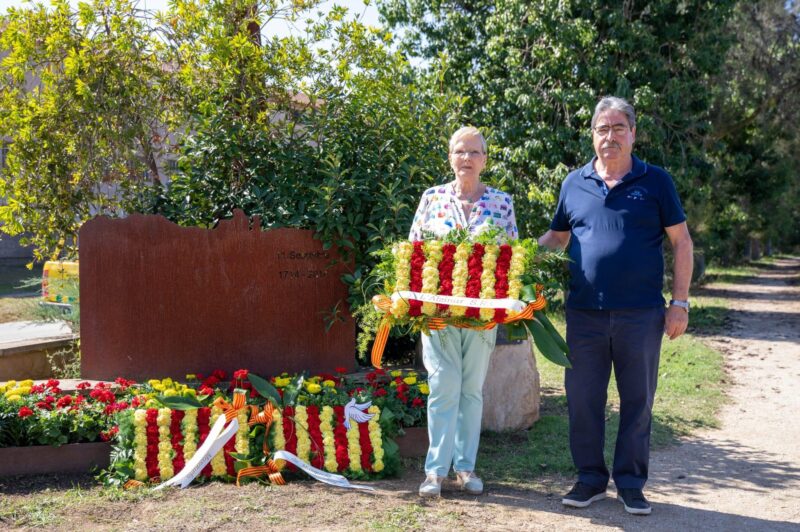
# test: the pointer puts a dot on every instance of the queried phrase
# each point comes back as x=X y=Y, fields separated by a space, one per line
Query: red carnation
x=25 y=412
x=380 y=392
x=52 y=383
x=43 y=405
x=83 y=385
x=341 y=369
x=475 y=269
x=417 y=262
x=37 y=388
x=108 y=435
x=240 y=374
x=64 y=401
x=417 y=403
x=49 y=399
x=446 y=266
x=124 y=384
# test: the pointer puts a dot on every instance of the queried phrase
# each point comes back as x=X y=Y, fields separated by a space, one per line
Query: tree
x=534 y=70
x=755 y=139
x=84 y=100
x=328 y=130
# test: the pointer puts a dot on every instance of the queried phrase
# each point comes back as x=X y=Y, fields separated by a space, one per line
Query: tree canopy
x=332 y=128
x=534 y=70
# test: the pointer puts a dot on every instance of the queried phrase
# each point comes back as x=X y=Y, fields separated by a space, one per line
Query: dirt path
x=747 y=474
x=743 y=476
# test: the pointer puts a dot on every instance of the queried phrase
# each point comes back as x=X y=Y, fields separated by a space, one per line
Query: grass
x=690 y=392
x=18 y=292
x=16 y=280
x=18 y=308
x=410 y=517
x=728 y=274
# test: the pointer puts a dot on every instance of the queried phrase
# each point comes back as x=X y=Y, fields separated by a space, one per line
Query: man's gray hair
x=617 y=104
x=467 y=131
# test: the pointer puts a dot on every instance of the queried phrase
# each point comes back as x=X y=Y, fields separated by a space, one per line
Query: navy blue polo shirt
x=616 y=236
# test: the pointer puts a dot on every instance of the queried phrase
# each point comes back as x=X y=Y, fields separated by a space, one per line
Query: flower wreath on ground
x=467 y=281
x=319 y=420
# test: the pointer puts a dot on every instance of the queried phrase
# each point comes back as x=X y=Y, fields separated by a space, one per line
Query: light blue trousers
x=456 y=361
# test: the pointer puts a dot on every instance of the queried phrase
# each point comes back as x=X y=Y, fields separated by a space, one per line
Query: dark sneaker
x=582 y=495
x=634 y=501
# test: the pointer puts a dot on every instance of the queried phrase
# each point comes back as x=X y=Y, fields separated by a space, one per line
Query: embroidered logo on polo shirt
x=637 y=194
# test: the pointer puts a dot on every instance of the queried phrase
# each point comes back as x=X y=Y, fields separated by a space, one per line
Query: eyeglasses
x=617 y=129
x=470 y=154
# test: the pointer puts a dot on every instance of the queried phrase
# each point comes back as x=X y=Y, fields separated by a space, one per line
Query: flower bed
x=157 y=426
x=43 y=414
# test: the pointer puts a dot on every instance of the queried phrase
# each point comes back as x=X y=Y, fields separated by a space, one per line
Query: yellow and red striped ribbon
x=270 y=469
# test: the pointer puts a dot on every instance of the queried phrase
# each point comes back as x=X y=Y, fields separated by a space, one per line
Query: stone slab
x=23 y=333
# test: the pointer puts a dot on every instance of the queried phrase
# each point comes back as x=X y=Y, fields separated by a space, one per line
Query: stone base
x=45 y=460
x=414 y=443
x=511 y=391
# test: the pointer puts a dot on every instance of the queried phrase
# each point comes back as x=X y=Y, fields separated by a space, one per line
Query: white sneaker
x=432 y=487
x=469 y=482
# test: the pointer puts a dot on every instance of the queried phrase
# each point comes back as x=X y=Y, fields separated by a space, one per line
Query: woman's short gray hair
x=467 y=131
x=617 y=104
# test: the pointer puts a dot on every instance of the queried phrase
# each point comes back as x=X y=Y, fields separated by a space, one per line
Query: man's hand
x=554 y=239
x=675 y=322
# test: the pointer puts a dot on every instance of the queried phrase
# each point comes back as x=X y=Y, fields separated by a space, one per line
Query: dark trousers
x=630 y=340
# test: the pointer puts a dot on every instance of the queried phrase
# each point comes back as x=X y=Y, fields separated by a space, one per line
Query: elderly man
x=613 y=214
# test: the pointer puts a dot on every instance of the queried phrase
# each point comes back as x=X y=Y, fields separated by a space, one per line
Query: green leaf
x=548 y=325
x=179 y=402
x=516 y=331
x=545 y=343
x=291 y=392
x=265 y=389
x=528 y=293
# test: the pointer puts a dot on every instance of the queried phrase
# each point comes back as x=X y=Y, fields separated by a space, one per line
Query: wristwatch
x=683 y=304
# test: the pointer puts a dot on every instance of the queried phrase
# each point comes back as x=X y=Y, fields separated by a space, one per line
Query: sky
x=368 y=13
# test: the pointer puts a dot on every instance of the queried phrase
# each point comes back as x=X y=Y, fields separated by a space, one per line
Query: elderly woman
x=457 y=359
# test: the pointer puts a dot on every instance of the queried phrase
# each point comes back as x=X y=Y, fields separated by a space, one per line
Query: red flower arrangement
x=290 y=435
x=315 y=434
x=178 y=461
x=501 y=280
x=417 y=261
x=474 y=269
x=340 y=439
x=446 y=273
x=151 y=430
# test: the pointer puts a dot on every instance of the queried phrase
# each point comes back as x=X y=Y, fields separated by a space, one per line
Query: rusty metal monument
x=162 y=300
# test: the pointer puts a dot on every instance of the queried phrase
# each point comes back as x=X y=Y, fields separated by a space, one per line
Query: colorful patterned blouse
x=440 y=212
